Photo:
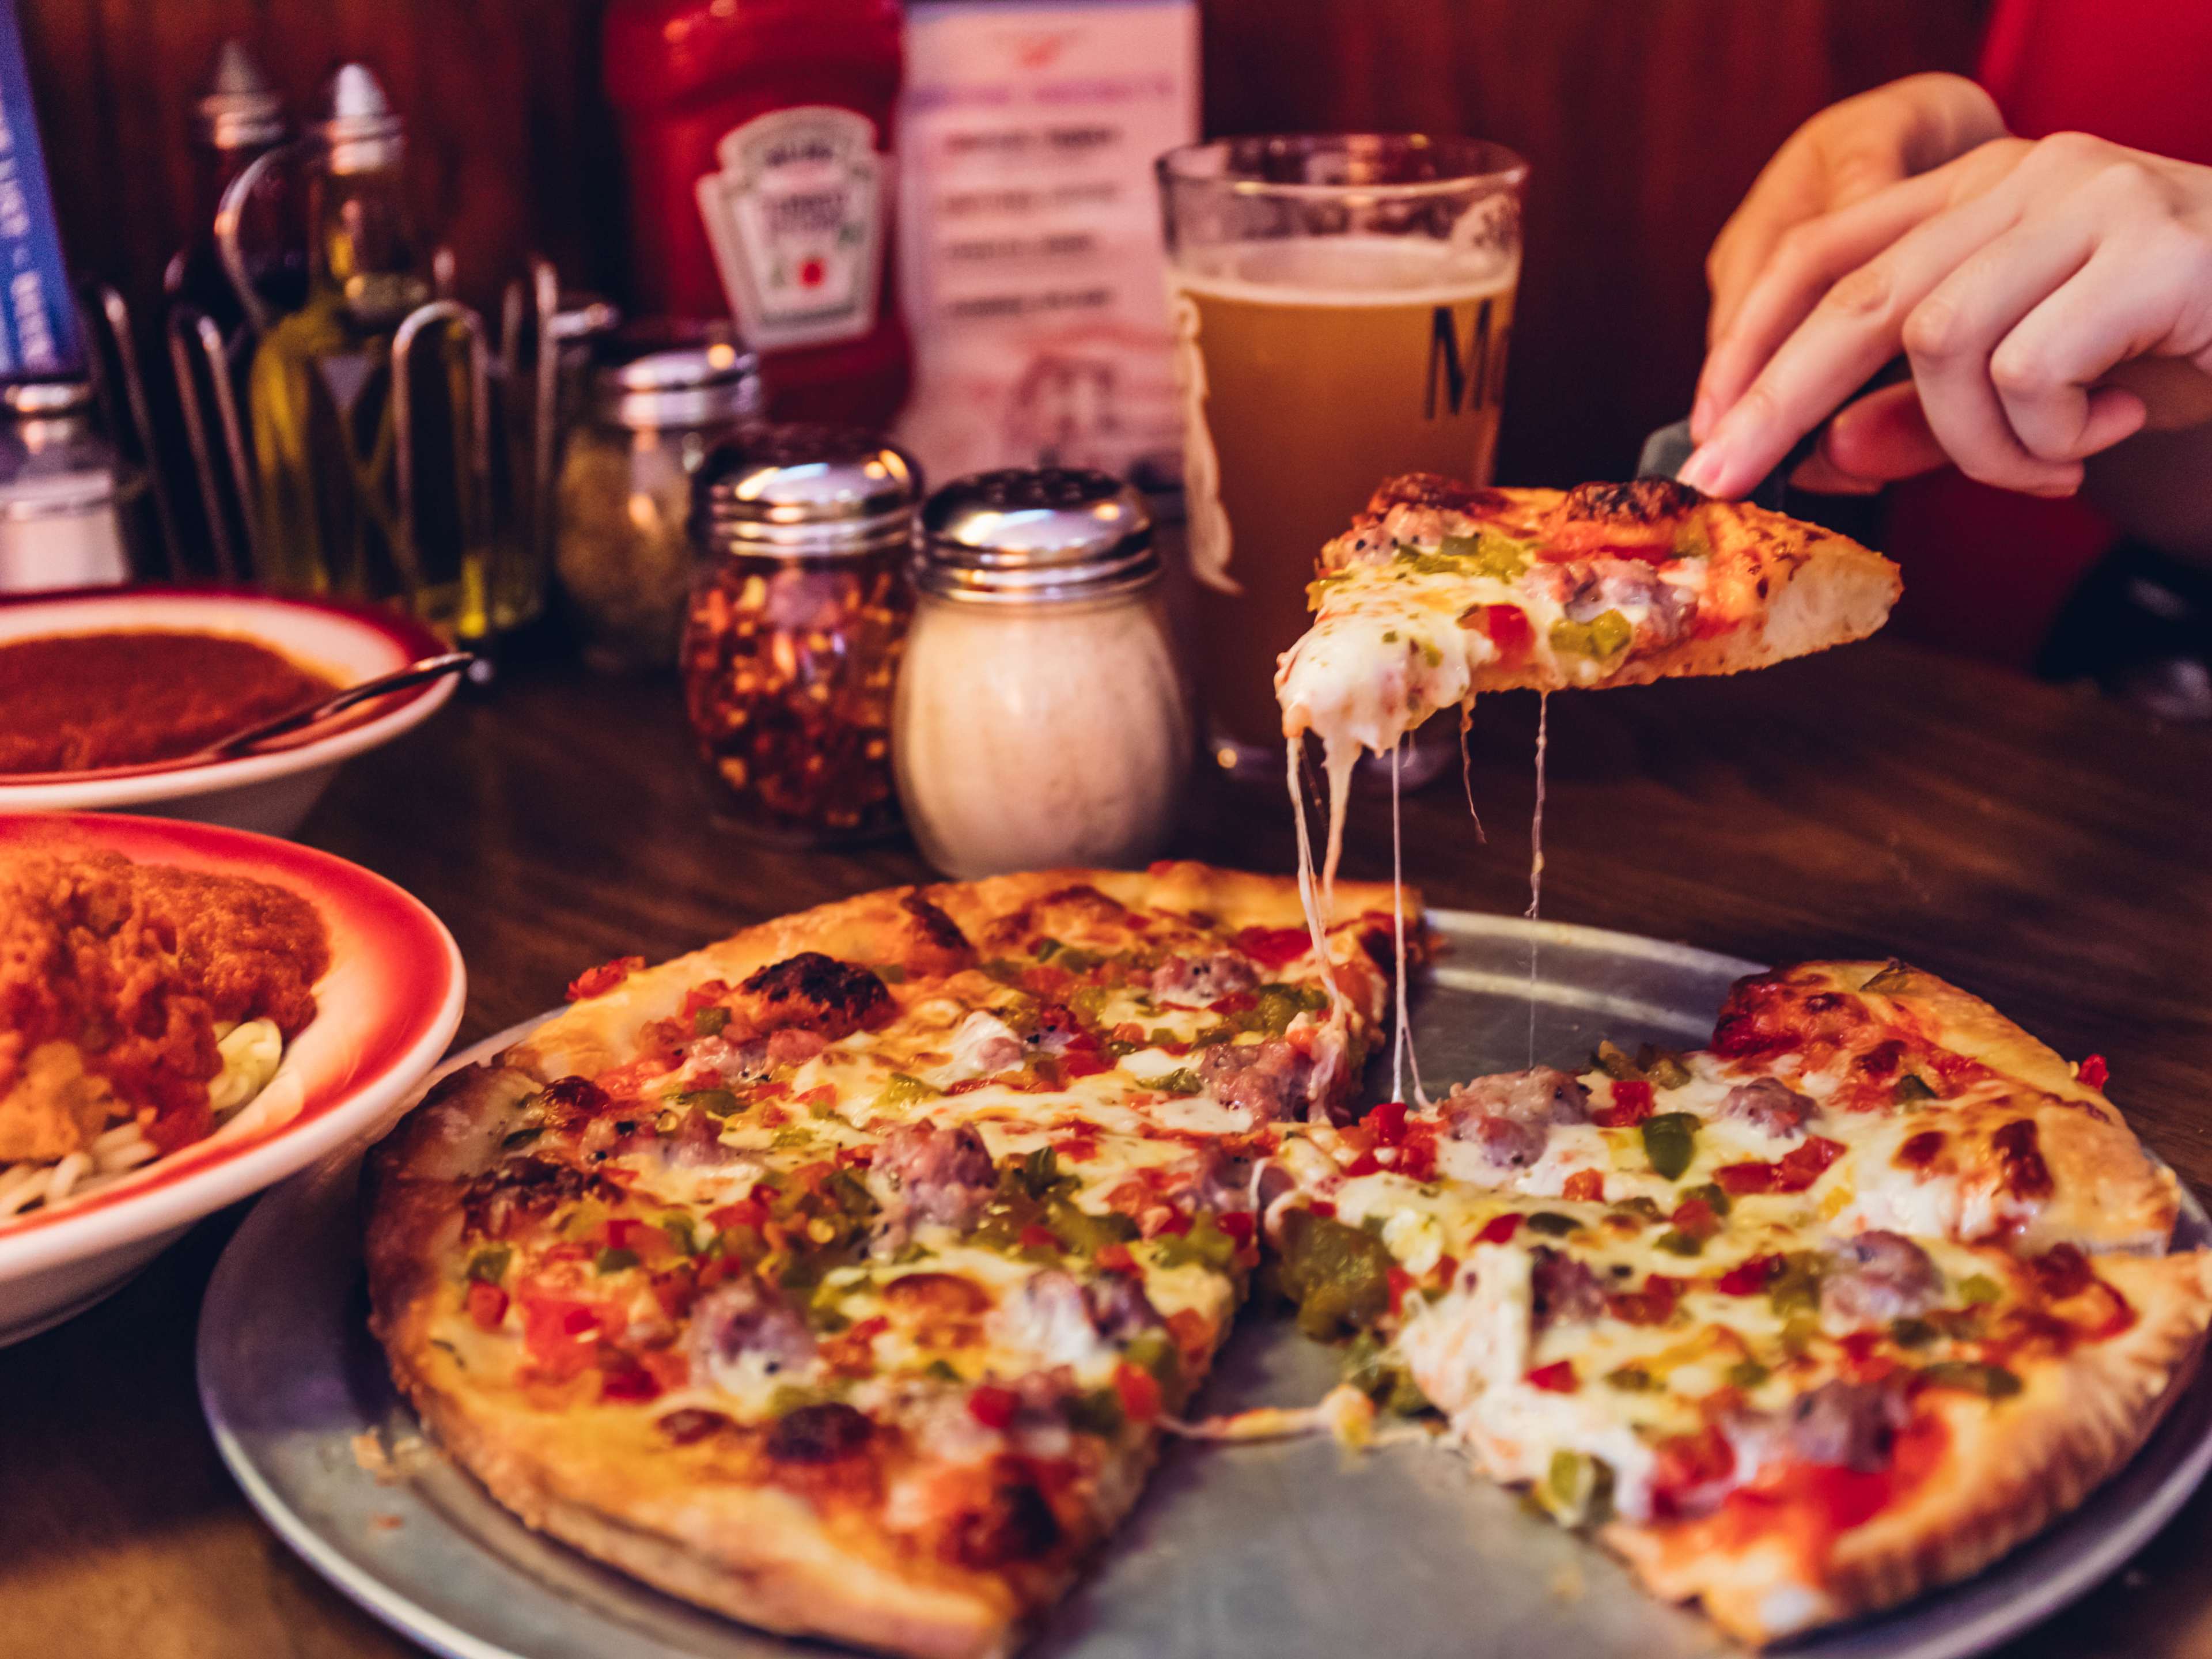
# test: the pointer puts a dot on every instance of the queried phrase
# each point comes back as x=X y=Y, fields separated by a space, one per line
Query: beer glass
x=1341 y=306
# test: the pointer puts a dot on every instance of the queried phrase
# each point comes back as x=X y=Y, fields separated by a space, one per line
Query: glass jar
x=798 y=614
x=622 y=547
x=1041 y=719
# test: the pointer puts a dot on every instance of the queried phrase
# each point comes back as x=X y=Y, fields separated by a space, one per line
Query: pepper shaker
x=1040 y=718
x=797 y=620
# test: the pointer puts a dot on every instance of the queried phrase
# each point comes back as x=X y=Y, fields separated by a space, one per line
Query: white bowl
x=385 y=1012
x=271 y=792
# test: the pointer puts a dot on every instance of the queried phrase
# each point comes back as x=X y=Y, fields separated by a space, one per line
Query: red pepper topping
x=1140 y=1390
x=1694 y=1218
x=1399 y=1282
x=1387 y=1123
x=1237 y=1223
x=597 y=982
x=1632 y=1104
x=1507 y=628
x=747 y=1211
x=622 y=1378
x=1749 y=1278
x=1557 y=1377
x=1501 y=1228
x=1274 y=947
x=1416 y=1158
x=1365 y=1163
x=1116 y=1259
x=486 y=1304
x=992 y=1405
x=2094 y=1072
x=1037 y=1238
x=1794 y=1172
x=1320 y=1206
x=1584 y=1187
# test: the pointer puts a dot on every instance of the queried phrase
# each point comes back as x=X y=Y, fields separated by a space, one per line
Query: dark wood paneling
x=1645 y=119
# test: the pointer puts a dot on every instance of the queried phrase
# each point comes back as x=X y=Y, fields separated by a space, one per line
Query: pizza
x=141 y=1004
x=842 y=1276
x=1440 y=590
x=1836 y=1310
x=838 y=1276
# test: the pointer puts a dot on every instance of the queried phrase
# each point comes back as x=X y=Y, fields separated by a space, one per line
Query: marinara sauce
x=83 y=701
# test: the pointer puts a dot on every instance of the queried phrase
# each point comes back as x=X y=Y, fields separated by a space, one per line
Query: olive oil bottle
x=321 y=385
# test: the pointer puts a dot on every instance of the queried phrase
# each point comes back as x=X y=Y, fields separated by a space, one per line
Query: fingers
x=1853 y=331
x=1844 y=154
x=1881 y=438
x=1807 y=264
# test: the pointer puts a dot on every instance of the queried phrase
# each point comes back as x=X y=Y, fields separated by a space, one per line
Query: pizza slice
x=837 y=1276
x=1833 y=1312
x=1440 y=590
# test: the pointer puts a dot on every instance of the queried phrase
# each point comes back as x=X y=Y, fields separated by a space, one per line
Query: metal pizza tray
x=1285 y=1550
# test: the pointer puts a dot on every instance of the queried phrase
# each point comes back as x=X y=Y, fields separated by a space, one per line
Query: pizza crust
x=2109 y=1193
x=755 y=1552
x=2009 y=1473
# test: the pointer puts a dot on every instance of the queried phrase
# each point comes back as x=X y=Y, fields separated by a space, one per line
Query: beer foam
x=1347 y=271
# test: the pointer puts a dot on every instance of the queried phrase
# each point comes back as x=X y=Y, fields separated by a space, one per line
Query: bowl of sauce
x=106 y=696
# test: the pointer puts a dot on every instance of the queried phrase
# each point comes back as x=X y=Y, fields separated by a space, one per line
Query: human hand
x=1842 y=156
x=2015 y=279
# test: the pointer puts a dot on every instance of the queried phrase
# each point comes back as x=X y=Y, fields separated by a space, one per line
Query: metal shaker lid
x=1033 y=535
x=356 y=123
x=240 y=110
x=803 y=491
x=650 y=378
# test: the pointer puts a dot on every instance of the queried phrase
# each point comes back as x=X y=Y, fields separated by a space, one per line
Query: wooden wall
x=1645 y=119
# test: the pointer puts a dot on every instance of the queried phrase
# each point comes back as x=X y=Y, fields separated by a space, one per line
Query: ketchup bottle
x=758 y=136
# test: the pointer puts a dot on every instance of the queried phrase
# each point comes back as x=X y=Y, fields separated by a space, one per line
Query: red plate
x=386 y=1010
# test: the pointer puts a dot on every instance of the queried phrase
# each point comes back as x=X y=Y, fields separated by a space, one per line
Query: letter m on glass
x=1459 y=379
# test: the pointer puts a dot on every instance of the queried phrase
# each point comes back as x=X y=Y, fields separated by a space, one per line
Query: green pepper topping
x=1339 y=1276
x=1748 y=1374
x=1891 y=980
x=1675 y=1242
x=1664 y=1070
x=1991 y=1382
x=1631 y=1379
x=709 y=1021
x=1155 y=1351
x=1389 y=636
x=1098 y=1411
x=1670 y=1142
x=903 y=1090
x=1044 y=949
x=1977 y=1288
x=1796 y=1287
x=1911 y=1333
x=892 y=973
x=488 y=1266
x=522 y=1137
x=1602 y=637
x=1639 y=1209
x=681 y=1234
x=1578 y=1489
x=942 y=1371
x=715 y=1102
x=1181 y=1081
x=1614 y=1061
x=1205 y=1245
x=1552 y=1224
x=1911 y=1090
x=1797 y=1334
x=612 y=1261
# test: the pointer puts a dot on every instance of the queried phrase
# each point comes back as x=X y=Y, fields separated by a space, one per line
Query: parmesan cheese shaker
x=1040 y=718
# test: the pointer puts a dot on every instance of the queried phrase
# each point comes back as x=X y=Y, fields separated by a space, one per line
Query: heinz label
x=795 y=216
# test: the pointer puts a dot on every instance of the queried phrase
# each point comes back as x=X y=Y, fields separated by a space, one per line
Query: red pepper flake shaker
x=797 y=618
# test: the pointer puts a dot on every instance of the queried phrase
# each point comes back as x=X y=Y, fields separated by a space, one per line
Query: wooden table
x=2040 y=846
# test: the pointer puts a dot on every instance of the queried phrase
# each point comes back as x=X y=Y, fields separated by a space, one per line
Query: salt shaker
x=1041 y=717
x=797 y=618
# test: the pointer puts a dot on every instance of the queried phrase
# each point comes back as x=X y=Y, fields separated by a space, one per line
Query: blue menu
x=38 y=336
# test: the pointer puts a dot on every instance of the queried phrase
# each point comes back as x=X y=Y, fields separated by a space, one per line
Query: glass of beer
x=1342 y=307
